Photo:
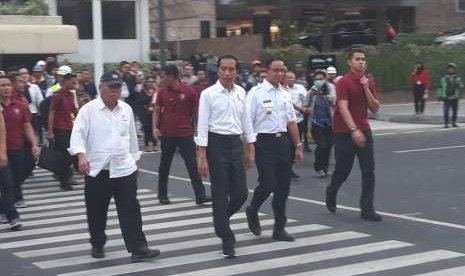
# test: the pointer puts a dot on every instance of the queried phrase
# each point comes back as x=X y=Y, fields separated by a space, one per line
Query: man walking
x=223 y=118
x=105 y=141
x=273 y=118
x=356 y=94
x=175 y=109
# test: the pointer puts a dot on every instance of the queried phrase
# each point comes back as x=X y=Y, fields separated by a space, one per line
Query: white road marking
x=429 y=149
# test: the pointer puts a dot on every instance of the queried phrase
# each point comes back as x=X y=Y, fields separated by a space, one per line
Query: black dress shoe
x=203 y=200
x=66 y=187
x=228 y=250
x=164 y=200
x=97 y=252
x=253 y=221
x=282 y=236
x=371 y=216
x=331 y=201
x=145 y=254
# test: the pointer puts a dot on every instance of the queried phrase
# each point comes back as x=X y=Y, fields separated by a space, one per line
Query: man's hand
x=299 y=155
x=364 y=81
x=203 y=167
x=359 y=138
x=249 y=156
x=35 y=151
x=84 y=165
x=3 y=160
x=156 y=133
x=51 y=136
x=426 y=95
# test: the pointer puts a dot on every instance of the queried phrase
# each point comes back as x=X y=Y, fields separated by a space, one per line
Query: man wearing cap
x=39 y=79
x=104 y=139
x=331 y=74
x=62 y=70
x=253 y=78
x=450 y=88
x=62 y=112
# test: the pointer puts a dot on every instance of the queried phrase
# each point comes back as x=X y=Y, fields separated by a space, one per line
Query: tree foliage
x=31 y=7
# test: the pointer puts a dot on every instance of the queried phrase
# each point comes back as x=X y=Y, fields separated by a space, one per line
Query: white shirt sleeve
x=331 y=97
x=133 y=144
x=78 y=141
x=249 y=135
x=251 y=109
x=202 y=124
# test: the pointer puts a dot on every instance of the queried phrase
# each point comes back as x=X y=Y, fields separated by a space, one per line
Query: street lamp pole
x=162 y=32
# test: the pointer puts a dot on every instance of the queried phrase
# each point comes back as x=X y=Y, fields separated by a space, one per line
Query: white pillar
x=144 y=30
x=98 y=41
x=52 y=7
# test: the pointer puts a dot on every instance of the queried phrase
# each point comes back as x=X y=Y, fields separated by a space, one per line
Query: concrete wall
x=113 y=51
x=245 y=48
x=434 y=15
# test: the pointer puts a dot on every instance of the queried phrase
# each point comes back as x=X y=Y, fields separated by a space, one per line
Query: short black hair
x=13 y=76
x=320 y=72
x=269 y=61
x=171 y=70
x=4 y=77
x=229 y=56
x=69 y=76
x=122 y=63
x=354 y=51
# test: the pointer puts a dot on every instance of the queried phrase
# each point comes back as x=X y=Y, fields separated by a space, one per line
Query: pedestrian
x=8 y=210
x=356 y=94
x=301 y=73
x=105 y=141
x=129 y=83
x=175 y=110
x=38 y=78
x=421 y=85
x=61 y=115
x=450 y=89
x=331 y=75
x=274 y=121
x=255 y=66
x=144 y=108
x=18 y=129
x=189 y=74
x=88 y=84
x=201 y=83
x=223 y=118
x=322 y=100
x=299 y=97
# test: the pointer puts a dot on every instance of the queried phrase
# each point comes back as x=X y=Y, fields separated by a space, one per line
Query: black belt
x=272 y=135
x=227 y=136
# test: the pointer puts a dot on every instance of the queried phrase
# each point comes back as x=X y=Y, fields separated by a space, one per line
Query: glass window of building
x=78 y=13
x=118 y=20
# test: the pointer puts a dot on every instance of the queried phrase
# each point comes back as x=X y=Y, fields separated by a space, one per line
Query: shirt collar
x=268 y=86
x=222 y=88
x=101 y=104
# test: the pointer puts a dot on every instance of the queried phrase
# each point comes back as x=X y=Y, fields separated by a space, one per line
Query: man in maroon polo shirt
x=62 y=112
x=18 y=129
x=175 y=109
x=356 y=94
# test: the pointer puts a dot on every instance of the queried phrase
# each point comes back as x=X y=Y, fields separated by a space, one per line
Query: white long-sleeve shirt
x=107 y=137
x=36 y=98
x=223 y=112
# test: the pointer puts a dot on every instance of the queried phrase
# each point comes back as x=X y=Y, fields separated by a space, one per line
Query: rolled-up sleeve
x=78 y=140
x=202 y=125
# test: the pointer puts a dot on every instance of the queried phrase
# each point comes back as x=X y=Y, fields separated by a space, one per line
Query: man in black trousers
x=223 y=118
x=175 y=110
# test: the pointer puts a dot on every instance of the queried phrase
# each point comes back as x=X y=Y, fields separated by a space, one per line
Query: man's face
x=262 y=76
x=86 y=75
x=5 y=88
x=358 y=62
x=331 y=76
x=69 y=84
x=24 y=74
x=227 y=72
x=201 y=75
x=126 y=68
x=276 y=72
x=450 y=70
x=188 y=71
x=110 y=92
x=290 y=78
x=19 y=84
x=166 y=80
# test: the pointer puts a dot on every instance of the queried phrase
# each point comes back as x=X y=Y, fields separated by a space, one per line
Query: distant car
x=348 y=32
x=452 y=37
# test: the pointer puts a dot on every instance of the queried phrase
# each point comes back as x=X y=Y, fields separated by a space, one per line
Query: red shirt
x=177 y=109
x=349 y=88
x=16 y=115
x=65 y=110
x=422 y=78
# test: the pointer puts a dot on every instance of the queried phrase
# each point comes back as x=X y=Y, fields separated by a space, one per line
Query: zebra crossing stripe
x=111 y=221
x=158 y=207
x=118 y=242
x=66 y=193
x=30 y=209
x=384 y=264
x=51 y=189
x=446 y=272
x=209 y=256
x=167 y=247
x=115 y=231
x=46 y=181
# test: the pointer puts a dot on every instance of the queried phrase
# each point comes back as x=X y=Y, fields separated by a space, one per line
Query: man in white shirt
x=223 y=118
x=273 y=119
x=105 y=141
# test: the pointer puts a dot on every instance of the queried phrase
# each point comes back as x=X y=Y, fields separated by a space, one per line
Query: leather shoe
x=228 y=250
x=66 y=187
x=331 y=201
x=253 y=221
x=371 y=216
x=97 y=252
x=164 y=200
x=145 y=254
x=282 y=236
x=203 y=200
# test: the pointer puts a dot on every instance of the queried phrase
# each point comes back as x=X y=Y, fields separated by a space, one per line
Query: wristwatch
x=352 y=129
x=298 y=144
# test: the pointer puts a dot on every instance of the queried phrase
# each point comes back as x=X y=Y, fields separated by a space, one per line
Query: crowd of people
x=220 y=120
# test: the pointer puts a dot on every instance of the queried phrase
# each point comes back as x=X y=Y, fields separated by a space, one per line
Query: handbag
x=52 y=160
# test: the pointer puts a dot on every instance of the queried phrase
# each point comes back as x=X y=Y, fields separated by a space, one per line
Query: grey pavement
x=404 y=113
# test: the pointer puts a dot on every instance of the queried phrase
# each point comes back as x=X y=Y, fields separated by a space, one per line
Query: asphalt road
x=420 y=191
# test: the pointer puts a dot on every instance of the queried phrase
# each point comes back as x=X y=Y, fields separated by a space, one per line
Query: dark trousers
x=7 y=191
x=225 y=156
x=98 y=192
x=323 y=139
x=29 y=161
x=37 y=125
x=168 y=149
x=146 y=121
x=61 y=144
x=450 y=104
x=272 y=157
x=418 y=97
x=345 y=154
x=303 y=128
x=16 y=160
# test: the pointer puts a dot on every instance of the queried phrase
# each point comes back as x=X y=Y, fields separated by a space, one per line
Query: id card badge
x=268 y=106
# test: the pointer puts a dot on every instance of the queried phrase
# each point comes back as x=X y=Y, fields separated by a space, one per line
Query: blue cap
x=111 y=77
